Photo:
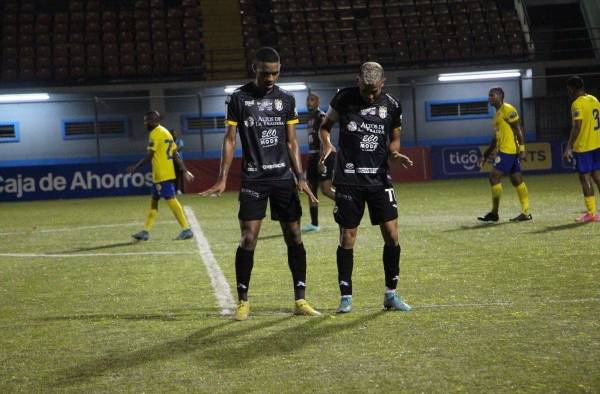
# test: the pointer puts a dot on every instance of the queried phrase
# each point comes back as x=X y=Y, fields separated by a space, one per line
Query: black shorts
x=312 y=171
x=350 y=204
x=282 y=195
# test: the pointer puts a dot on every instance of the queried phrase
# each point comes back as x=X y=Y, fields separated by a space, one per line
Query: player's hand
x=481 y=162
x=188 y=176
x=404 y=160
x=303 y=187
x=326 y=150
x=522 y=155
x=568 y=155
x=215 y=190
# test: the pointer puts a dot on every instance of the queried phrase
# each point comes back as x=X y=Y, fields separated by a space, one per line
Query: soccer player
x=179 y=184
x=315 y=175
x=161 y=153
x=370 y=122
x=265 y=116
x=509 y=145
x=584 y=144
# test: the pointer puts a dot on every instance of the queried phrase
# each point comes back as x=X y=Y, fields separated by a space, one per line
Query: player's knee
x=347 y=239
x=248 y=241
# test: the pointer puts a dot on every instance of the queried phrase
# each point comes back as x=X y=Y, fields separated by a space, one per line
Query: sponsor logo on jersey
x=368 y=111
x=270 y=121
x=349 y=169
x=273 y=166
x=278 y=105
x=367 y=170
x=250 y=192
x=251 y=167
x=265 y=105
x=250 y=122
x=369 y=143
x=249 y=103
x=382 y=112
x=373 y=128
x=269 y=138
x=352 y=126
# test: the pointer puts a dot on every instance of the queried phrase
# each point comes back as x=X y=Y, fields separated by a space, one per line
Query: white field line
x=61 y=255
x=77 y=228
x=217 y=279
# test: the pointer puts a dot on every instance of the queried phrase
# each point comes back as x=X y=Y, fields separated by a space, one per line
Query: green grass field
x=498 y=308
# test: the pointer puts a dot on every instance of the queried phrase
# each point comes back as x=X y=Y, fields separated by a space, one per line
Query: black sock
x=345 y=263
x=297 y=264
x=314 y=216
x=391 y=265
x=244 y=261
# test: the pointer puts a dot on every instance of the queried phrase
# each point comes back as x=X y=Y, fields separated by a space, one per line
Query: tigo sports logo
x=460 y=160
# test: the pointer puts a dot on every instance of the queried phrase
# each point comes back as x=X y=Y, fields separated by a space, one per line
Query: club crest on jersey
x=382 y=112
x=352 y=126
x=278 y=105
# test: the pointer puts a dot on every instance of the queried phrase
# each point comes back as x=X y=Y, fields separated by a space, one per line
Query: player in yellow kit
x=509 y=143
x=162 y=150
x=584 y=144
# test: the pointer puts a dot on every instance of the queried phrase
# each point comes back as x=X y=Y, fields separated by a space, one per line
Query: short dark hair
x=575 y=82
x=267 y=55
x=499 y=91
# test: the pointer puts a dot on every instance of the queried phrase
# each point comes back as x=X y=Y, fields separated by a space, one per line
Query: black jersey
x=314 y=124
x=365 y=133
x=261 y=121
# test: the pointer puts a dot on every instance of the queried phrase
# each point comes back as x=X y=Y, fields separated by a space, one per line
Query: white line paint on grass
x=61 y=255
x=217 y=279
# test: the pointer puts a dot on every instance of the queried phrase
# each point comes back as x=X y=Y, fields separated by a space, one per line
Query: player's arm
x=394 y=150
x=294 y=153
x=575 y=130
x=327 y=147
x=227 y=151
x=488 y=152
x=519 y=135
x=186 y=173
x=142 y=162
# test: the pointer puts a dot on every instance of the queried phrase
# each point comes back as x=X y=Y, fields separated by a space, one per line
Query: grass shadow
x=101 y=247
x=477 y=227
x=560 y=227
x=270 y=236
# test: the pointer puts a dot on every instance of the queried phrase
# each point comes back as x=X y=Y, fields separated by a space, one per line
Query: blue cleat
x=310 y=228
x=141 y=236
x=345 y=305
x=185 y=234
x=394 y=302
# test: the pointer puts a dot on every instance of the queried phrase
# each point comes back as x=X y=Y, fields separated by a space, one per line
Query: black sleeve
x=232 y=117
x=292 y=114
x=397 y=117
x=337 y=102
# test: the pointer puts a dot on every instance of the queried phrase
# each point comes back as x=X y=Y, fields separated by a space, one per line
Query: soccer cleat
x=309 y=228
x=588 y=217
x=185 y=234
x=242 y=311
x=141 y=236
x=345 y=305
x=489 y=217
x=394 y=302
x=302 y=308
x=522 y=217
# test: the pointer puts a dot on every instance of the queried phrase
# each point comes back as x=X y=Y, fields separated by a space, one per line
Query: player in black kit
x=265 y=116
x=314 y=175
x=370 y=122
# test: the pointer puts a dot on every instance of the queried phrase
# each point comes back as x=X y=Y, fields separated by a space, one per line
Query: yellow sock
x=496 y=193
x=523 y=197
x=150 y=219
x=178 y=212
x=590 y=204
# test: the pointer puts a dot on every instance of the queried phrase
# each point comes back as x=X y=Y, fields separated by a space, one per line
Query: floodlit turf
x=506 y=307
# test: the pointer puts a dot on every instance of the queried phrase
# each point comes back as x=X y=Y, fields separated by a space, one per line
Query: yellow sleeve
x=576 y=112
x=511 y=115
x=152 y=143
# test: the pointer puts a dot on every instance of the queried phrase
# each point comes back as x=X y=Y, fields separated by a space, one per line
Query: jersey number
x=169 y=146
x=596 y=114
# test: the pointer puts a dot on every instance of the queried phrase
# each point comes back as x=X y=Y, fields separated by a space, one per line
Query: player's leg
x=495 y=180
x=313 y=183
x=327 y=189
x=168 y=193
x=383 y=211
x=253 y=199
x=584 y=163
x=286 y=208
x=327 y=176
x=348 y=212
x=150 y=218
x=516 y=178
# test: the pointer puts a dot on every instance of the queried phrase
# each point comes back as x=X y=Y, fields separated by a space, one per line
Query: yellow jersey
x=506 y=140
x=162 y=144
x=587 y=109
